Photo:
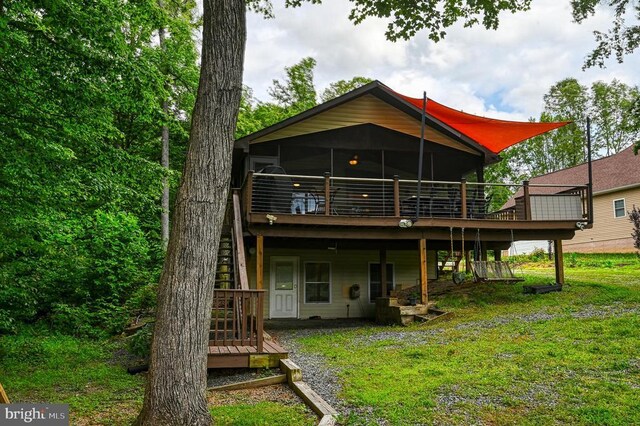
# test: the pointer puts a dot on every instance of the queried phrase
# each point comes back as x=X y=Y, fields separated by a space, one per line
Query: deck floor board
x=239 y=356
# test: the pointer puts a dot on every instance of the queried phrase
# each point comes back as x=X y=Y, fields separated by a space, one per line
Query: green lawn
x=506 y=358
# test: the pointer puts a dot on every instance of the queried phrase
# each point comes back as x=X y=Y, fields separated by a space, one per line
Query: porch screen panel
x=375 y=286
x=317 y=282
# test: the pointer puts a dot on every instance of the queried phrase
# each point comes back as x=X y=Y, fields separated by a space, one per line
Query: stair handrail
x=238 y=242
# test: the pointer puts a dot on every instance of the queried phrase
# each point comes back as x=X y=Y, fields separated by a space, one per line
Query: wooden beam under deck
x=559 y=261
x=435 y=233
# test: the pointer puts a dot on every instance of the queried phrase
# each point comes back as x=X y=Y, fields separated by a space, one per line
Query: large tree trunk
x=176 y=389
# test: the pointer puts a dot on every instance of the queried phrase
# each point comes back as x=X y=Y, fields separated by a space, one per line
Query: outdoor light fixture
x=365 y=195
x=354 y=160
x=296 y=184
x=271 y=218
x=405 y=223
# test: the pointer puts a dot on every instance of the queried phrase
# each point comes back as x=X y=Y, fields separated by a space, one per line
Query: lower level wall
x=616 y=245
x=348 y=267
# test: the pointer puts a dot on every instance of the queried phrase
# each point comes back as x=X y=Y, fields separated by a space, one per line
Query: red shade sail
x=495 y=135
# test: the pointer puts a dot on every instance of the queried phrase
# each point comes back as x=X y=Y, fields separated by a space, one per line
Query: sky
x=501 y=74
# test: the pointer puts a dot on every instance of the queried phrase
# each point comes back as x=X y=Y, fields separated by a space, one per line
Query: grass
x=36 y=366
x=506 y=358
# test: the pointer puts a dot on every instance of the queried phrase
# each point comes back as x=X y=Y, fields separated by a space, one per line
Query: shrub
x=634 y=217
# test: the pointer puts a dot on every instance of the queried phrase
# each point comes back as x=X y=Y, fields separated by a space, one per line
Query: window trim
x=624 y=208
x=393 y=279
x=304 y=283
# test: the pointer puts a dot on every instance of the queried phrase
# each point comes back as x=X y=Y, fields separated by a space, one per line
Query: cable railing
x=363 y=197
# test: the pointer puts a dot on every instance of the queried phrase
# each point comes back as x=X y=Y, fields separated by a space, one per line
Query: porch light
x=354 y=160
x=296 y=184
x=405 y=223
x=365 y=195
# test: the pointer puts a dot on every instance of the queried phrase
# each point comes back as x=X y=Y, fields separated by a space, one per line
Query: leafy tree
x=341 y=87
x=297 y=93
x=80 y=115
x=615 y=124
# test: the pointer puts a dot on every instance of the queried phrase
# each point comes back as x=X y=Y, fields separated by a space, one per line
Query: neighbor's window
x=375 y=287
x=618 y=208
x=317 y=282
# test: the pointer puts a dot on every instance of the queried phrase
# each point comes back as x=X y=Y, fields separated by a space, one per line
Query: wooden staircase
x=236 y=334
x=450 y=261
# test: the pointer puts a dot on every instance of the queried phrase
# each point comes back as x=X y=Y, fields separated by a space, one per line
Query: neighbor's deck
x=246 y=356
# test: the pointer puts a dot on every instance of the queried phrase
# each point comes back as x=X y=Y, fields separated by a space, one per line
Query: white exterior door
x=284 y=287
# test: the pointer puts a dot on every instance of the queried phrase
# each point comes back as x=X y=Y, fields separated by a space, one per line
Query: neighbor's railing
x=341 y=196
x=237 y=318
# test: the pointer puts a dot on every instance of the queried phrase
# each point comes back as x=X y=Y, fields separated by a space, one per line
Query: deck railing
x=341 y=196
x=237 y=318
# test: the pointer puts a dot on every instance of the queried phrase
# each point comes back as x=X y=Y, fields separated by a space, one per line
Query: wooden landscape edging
x=249 y=384
x=4 y=399
x=326 y=412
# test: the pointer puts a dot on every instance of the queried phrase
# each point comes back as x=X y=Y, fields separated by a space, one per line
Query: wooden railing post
x=260 y=321
x=527 y=200
x=327 y=193
x=463 y=198
x=238 y=240
x=396 y=195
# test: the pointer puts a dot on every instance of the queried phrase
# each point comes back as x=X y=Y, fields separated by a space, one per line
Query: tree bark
x=176 y=388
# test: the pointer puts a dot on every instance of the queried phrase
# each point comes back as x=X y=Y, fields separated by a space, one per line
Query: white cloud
x=502 y=73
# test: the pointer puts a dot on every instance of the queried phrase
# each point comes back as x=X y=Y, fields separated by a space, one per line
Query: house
x=616 y=189
x=334 y=209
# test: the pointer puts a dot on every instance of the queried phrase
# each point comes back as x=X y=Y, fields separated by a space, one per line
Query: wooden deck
x=246 y=356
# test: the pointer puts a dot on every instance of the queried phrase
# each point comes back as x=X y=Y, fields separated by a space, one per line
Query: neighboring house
x=328 y=217
x=616 y=189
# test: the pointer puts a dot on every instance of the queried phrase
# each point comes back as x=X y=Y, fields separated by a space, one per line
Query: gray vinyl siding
x=348 y=267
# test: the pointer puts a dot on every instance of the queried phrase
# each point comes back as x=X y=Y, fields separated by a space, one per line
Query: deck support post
x=527 y=200
x=396 y=195
x=497 y=255
x=327 y=194
x=483 y=254
x=424 y=295
x=559 y=261
x=467 y=262
x=383 y=273
x=463 y=198
x=259 y=262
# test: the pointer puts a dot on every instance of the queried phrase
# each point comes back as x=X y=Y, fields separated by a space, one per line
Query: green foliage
x=80 y=119
x=341 y=87
x=140 y=343
x=634 y=217
x=297 y=93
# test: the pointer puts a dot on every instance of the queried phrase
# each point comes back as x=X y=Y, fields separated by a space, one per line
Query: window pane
x=317 y=293
x=618 y=206
x=317 y=277
x=284 y=276
x=317 y=272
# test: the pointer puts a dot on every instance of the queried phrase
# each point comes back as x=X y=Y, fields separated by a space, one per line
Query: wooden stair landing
x=246 y=356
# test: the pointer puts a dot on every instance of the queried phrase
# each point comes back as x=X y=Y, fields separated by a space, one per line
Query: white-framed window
x=317 y=282
x=375 y=286
x=618 y=208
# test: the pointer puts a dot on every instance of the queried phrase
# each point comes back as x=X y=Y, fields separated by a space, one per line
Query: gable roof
x=615 y=171
x=375 y=103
